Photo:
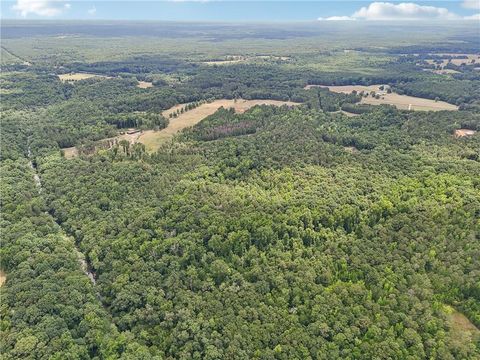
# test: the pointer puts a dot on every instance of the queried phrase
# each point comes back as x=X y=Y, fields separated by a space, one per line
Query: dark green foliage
x=278 y=233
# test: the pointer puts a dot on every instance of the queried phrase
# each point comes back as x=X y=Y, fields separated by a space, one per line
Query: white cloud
x=40 y=7
x=471 y=4
x=473 y=17
x=92 y=11
x=337 y=18
x=403 y=11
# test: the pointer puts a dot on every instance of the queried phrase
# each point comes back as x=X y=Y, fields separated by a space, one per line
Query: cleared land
x=79 y=76
x=462 y=330
x=144 y=84
x=233 y=59
x=154 y=139
x=132 y=138
x=3 y=278
x=403 y=102
x=467 y=60
x=464 y=132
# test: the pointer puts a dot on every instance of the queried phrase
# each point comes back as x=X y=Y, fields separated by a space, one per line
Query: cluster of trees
x=453 y=91
x=187 y=107
x=137 y=120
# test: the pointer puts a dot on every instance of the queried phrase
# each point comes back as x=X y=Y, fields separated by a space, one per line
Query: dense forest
x=288 y=232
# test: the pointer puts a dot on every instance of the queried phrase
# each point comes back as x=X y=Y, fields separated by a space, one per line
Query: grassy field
x=79 y=76
x=464 y=132
x=144 y=84
x=403 y=102
x=462 y=331
x=154 y=139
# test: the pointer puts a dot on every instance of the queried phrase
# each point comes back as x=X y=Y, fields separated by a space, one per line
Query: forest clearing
x=80 y=76
x=153 y=139
x=144 y=84
x=402 y=102
x=462 y=330
x=464 y=132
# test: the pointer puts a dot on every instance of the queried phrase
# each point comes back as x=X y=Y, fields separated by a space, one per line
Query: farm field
x=79 y=76
x=403 y=102
x=144 y=84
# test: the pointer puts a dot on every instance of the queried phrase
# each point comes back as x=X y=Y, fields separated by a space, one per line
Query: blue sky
x=228 y=10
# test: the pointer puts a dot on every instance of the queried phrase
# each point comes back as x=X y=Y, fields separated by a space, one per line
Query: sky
x=252 y=11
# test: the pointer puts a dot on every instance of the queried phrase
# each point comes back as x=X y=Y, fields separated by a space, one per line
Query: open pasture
x=144 y=84
x=153 y=139
x=79 y=76
x=464 y=132
x=403 y=102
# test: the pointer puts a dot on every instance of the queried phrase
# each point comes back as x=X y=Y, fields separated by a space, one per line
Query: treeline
x=135 y=65
x=137 y=120
x=455 y=91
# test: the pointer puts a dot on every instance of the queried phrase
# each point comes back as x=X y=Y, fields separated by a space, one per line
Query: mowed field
x=403 y=102
x=79 y=76
x=154 y=139
x=144 y=84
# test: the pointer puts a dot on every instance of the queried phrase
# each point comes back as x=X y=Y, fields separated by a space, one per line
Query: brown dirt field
x=403 y=102
x=79 y=76
x=3 y=278
x=144 y=84
x=464 y=132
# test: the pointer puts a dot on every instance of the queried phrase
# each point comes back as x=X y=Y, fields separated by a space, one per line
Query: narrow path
x=84 y=265
x=25 y=62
